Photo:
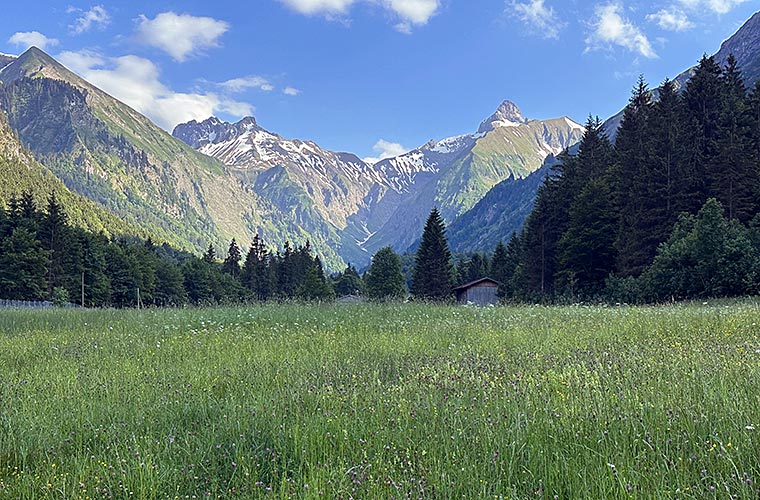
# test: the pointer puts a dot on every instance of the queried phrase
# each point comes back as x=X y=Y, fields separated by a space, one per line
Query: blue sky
x=373 y=77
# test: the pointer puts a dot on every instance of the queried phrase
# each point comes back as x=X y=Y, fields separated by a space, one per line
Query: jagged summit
x=507 y=115
x=213 y=131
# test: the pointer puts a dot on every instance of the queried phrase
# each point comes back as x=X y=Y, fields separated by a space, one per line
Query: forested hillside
x=44 y=257
x=620 y=219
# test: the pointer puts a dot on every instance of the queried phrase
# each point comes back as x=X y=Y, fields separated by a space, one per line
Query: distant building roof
x=476 y=283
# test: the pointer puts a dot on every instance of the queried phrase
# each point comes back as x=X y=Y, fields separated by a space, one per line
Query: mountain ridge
x=367 y=206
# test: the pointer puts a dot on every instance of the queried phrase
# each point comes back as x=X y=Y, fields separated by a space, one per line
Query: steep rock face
x=508 y=115
x=745 y=46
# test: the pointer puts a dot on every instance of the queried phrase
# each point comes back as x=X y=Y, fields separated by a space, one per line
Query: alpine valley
x=360 y=207
x=209 y=182
x=213 y=181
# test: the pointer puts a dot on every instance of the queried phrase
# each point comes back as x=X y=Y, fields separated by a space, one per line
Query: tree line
x=669 y=211
x=44 y=257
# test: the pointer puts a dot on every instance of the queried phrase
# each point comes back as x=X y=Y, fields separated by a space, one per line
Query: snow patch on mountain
x=574 y=125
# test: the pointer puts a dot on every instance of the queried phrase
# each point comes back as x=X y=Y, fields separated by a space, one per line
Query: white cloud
x=385 y=149
x=716 y=6
x=538 y=17
x=611 y=28
x=28 y=39
x=97 y=16
x=180 y=35
x=671 y=20
x=246 y=83
x=136 y=82
x=291 y=91
x=409 y=13
x=413 y=12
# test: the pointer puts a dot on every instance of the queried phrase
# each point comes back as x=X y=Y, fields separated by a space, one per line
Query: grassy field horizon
x=382 y=401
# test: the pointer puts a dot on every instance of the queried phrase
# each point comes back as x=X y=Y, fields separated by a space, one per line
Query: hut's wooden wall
x=481 y=294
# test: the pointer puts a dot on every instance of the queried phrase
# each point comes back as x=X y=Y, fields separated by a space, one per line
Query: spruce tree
x=629 y=178
x=475 y=268
x=385 y=279
x=313 y=286
x=210 y=255
x=586 y=250
x=504 y=264
x=257 y=271
x=231 y=263
x=94 y=275
x=733 y=179
x=23 y=266
x=433 y=267
x=703 y=104
x=170 y=289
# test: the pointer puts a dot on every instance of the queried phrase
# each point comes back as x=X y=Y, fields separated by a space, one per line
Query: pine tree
x=210 y=255
x=385 y=279
x=23 y=266
x=257 y=271
x=433 y=269
x=629 y=179
x=733 y=178
x=586 y=250
x=231 y=263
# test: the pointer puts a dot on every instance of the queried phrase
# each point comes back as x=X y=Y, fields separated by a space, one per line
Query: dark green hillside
x=501 y=212
x=21 y=172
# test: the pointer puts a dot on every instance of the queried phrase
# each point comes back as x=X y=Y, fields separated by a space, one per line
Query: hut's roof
x=476 y=283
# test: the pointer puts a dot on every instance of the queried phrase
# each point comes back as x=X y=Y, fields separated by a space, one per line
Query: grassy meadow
x=381 y=402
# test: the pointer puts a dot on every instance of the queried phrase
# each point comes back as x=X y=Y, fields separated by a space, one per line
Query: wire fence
x=33 y=304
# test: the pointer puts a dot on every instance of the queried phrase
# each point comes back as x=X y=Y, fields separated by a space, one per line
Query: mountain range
x=211 y=181
x=363 y=207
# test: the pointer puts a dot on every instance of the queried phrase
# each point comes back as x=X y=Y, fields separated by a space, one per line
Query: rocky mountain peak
x=248 y=122
x=507 y=115
x=213 y=131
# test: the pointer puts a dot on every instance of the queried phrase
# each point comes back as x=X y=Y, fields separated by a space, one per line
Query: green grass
x=381 y=402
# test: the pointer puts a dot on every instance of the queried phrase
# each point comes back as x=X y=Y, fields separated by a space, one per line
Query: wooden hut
x=482 y=292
